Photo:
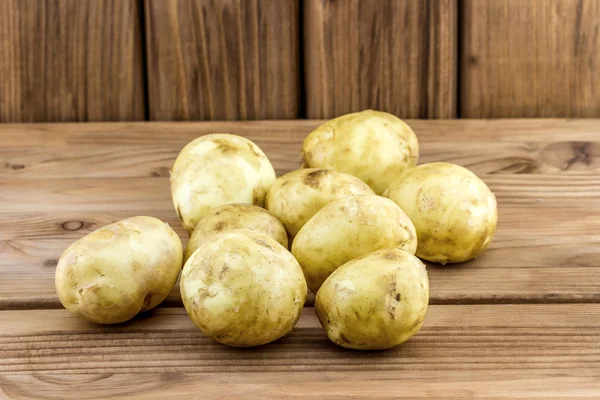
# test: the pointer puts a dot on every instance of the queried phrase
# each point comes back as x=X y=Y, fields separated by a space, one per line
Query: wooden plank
x=542 y=222
x=64 y=60
x=222 y=60
x=544 y=266
x=540 y=270
x=536 y=58
x=142 y=194
x=411 y=384
x=522 y=266
x=147 y=150
x=66 y=180
x=501 y=351
x=397 y=56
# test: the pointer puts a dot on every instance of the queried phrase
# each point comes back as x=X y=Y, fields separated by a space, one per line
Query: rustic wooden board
x=107 y=150
x=222 y=60
x=540 y=256
x=70 y=61
x=539 y=384
x=397 y=56
x=534 y=58
x=61 y=181
x=499 y=351
x=66 y=180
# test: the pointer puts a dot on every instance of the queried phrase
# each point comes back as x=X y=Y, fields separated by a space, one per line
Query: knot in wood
x=72 y=225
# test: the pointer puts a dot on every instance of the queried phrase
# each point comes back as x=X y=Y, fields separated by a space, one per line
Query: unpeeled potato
x=348 y=228
x=376 y=301
x=242 y=288
x=218 y=169
x=454 y=211
x=236 y=216
x=119 y=270
x=371 y=145
x=296 y=196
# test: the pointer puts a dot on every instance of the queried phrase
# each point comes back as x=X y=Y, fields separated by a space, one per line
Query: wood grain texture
x=222 y=59
x=526 y=146
x=537 y=58
x=67 y=60
x=541 y=384
x=396 y=56
x=500 y=351
x=530 y=260
x=65 y=180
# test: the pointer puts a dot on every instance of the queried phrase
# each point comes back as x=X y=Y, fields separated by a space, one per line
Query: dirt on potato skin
x=313 y=178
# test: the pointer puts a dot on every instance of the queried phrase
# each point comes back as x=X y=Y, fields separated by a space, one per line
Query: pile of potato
x=357 y=219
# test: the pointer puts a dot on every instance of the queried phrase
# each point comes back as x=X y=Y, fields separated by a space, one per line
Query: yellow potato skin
x=348 y=228
x=454 y=211
x=119 y=270
x=242 y=288
x=371 y=145
x=236 y=216
x=218 y=169
x=296 y=196
x=374 y=302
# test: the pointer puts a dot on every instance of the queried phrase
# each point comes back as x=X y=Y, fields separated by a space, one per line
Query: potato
x=376 y=301
x=236 y=216
x=242 y=288
x=348 y=228
x=372 y=145
x=295 y=197
x=454 y=211
x=119 y=270
x=218 y=169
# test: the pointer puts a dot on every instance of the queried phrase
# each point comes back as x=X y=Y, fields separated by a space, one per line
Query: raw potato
x=454 y=211
x=349 y=228
x=374 y=302
x=242 y=289
x=295 y=197
x=119 y=270
x=372 y=145
x=218 y=169
x=236 y=216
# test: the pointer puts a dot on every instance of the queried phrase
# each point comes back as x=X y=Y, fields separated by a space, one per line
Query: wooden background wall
x=115 y=60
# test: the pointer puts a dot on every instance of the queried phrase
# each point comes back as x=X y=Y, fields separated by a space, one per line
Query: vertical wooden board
x=222 y=59
x=70 y=60
x=392 y=55
x=534 y=58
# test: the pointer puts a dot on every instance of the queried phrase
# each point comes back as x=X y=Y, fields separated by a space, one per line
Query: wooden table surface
x=523 y=320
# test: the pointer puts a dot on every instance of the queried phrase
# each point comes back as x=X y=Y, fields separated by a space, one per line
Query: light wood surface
x=397 y=56
x=533 y=58
x=538 y=384
x=499 y=351
x=222 y=60
x=66 y=180
x=488 y=334
x=539 y=254
x=71 y=60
